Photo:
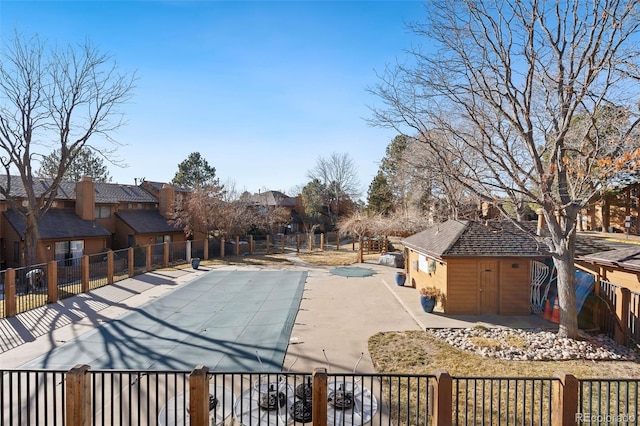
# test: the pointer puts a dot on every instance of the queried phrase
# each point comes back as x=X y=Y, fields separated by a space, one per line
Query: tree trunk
x=567 y=295
x=30 y=240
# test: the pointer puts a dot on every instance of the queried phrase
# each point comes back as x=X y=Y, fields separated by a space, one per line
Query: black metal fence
x=98 y=273
x=120 y=265
x=31 y=285
x=609 y=402
x=490 y=401
x=127 y=397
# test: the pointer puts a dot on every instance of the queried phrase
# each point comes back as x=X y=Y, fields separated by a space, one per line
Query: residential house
x=89 y=218
x=262 y=201
x=616 y=210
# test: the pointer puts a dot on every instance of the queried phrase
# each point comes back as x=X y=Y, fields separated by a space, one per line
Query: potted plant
x=429 y=297
x=195 y=262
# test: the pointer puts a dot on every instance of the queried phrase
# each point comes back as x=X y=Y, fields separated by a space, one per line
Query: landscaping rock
x=540 y=345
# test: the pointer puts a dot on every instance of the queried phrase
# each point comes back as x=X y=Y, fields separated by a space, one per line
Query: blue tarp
x=585 y=284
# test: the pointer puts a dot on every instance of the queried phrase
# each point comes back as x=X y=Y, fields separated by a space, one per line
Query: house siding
x=515 y=286
x=628 y=279
x=420 y=278
x=462 y=286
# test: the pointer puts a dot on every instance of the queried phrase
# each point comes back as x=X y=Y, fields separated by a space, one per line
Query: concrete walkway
x=337 y=315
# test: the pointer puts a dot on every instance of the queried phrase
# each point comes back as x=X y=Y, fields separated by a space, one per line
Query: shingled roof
x=272 y=198
x=106 y=193
x=58 y=224
x=463 y=238
x=113 y=193
x=146 y=221
x=627 y=258
x=157 y=186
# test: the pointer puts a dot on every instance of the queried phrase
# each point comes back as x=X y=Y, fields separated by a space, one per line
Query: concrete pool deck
x=333 y=322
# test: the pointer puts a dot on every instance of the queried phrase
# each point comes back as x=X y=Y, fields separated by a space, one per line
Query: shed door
x=488 y=287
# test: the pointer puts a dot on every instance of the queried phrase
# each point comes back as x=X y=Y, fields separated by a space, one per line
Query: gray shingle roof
x=66 y=190
x=106 y=193
x=114 y=193
x=157 y=186
x=146 y=221
x=272 y=198
x=59 y=224
x=470 y=238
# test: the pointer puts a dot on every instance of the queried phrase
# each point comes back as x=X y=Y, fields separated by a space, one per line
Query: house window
x=69 y=251
x=103 y=212
x=163 y=239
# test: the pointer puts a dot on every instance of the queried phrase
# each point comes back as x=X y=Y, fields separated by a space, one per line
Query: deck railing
x=83 y=396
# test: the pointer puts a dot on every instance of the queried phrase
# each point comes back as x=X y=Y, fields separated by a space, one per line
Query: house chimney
x=540 y=228
x=167 y=200
x=85 y=198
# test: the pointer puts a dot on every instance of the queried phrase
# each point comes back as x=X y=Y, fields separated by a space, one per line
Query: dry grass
x=335 y=258
x=328 y=257
x=415 y=352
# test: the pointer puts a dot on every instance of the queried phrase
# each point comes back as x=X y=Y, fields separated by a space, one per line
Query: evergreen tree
x=380 y=196
x=195 y=172
x=85 y=163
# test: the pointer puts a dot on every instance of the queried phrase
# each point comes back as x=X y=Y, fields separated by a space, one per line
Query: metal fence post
x=199 y=396
x=322 y=241
x=52 y=282
x=110 y=267
x=78 y=398
x=319 y=397
x=165 y=254
x=84 y=273
x=148 y=257
x=268 y=244
x=131 y=261
x=565 y=400
x=10 y=304
x=188 y=249
x=442 y=412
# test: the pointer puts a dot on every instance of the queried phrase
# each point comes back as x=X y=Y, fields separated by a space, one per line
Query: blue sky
x=261 y=89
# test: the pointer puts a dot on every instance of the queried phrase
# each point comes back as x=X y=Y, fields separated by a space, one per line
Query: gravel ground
x=533 y=345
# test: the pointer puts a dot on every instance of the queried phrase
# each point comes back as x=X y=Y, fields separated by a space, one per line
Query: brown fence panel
x=607 y=308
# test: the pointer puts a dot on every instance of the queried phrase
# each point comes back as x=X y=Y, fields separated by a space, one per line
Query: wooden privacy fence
x=618 y=315
x=83 y=396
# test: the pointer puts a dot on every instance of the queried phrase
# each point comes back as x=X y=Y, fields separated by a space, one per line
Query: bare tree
x=500 y=89
x=195 y=210
x=59 y=99
x=339 y=176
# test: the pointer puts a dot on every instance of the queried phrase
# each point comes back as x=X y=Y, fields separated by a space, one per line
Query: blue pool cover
x=225 y=320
